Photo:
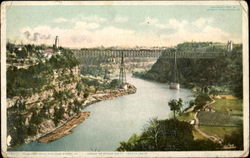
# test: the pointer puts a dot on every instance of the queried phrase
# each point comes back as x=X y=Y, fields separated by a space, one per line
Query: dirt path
x=210 y=137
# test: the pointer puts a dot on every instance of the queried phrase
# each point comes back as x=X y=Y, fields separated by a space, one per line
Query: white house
x=48 y=53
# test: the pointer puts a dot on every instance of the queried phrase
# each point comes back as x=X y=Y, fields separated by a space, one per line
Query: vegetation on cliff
x=215 y=75
x=46 y=92
x=43 y=91
x=167 y=135
x=26 y=81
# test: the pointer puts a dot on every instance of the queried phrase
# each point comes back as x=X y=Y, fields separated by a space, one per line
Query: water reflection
x=113 y=121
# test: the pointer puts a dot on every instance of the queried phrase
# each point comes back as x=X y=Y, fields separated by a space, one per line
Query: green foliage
x=175 y=105
x=10 y=47
x=24 y=82
x=18 y=130
x=32 y=130
x=86 y=94
x=131 y=144
x=235 y=138
x=115 y=83
x=77 y=106
x=58 y=115
x=221 y=71
x=80 y=86
x=166 y=135
x=140 y=73
x=201 y=100
x=19 y=136
x=205 y=145
x=91 y=84
x=36 y=119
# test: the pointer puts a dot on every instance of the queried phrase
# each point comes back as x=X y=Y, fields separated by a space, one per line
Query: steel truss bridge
x=105 y=54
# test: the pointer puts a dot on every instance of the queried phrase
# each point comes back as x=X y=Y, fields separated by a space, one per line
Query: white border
x=245 y=57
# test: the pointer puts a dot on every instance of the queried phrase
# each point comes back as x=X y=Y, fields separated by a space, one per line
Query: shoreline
x=65 y=128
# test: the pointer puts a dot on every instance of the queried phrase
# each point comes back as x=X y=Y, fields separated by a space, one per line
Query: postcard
x=124 y=79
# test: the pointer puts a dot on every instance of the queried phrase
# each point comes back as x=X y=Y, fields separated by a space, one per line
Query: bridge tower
x=122 y=75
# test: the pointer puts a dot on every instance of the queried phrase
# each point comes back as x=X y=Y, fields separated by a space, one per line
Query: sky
x=81 y=26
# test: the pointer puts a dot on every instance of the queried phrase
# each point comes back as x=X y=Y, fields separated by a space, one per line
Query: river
x=113 y=121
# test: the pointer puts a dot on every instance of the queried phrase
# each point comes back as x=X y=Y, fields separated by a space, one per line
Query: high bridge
x=91 y=53
x=95 y=56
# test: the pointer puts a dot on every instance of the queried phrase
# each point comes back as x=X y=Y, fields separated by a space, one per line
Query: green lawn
x=218 y=131
x=234 y=106
x=197 y=135
x=222 y=107
x=228 y=112
x=219 y=119
x=186 y=116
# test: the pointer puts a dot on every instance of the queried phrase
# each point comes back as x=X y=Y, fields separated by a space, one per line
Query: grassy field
x=234 y=106
x=218 y=131
x=186 y=116
x=226 y=119
x=219 y=119
x=228 y=112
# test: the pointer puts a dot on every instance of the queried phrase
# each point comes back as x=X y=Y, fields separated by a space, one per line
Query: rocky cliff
x=31 y=117
x=43 y=96
x=224 y=71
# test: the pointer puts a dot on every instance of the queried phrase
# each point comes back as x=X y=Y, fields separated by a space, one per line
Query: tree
x=115 y=83
x=235 y=138
x=175 y=105
x=167 y=135
x=201 y=100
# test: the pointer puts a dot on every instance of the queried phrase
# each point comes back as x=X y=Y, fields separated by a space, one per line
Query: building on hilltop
x=48 y=52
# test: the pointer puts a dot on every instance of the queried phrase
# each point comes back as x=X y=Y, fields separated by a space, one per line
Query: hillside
x=224 y=72
x=45 y=89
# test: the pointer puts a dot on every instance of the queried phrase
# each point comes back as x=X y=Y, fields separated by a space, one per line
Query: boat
x=174 y=85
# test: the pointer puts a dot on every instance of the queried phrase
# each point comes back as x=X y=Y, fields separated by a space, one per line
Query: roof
x=48 y=51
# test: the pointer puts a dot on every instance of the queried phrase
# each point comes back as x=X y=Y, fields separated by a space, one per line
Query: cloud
x=93 y=18
x=86 y=25
x=153 y=22
x=120 y=19
x=91 y=33
x=202 y=22
x=60 y=20
x=177 y=24
x=198 y=30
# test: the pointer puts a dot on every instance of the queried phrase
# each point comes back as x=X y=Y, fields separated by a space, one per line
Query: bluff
x=41 y=96
x=45 y=92
x=224 y=71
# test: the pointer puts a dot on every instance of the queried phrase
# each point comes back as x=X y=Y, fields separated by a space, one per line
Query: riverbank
x=66 y=128
x=109 y=94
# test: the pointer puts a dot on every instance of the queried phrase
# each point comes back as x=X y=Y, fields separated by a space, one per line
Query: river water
x=113 y=121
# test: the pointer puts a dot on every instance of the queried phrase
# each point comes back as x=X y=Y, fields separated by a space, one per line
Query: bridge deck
x=145 y=53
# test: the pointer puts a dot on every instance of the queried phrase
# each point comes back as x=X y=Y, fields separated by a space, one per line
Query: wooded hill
x=219 y=74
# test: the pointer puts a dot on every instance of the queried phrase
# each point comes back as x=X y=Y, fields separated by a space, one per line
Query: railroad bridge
x=90 y=53
x=92 y=56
